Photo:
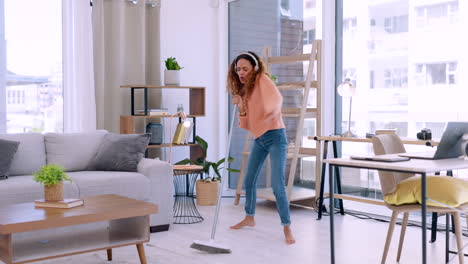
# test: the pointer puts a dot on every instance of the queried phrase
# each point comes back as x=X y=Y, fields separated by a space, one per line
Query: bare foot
x=248 y=221
x=289 y=238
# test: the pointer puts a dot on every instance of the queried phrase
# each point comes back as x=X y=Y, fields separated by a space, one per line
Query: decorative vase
x=171 y=77
x=207 y=192
x=53 y=193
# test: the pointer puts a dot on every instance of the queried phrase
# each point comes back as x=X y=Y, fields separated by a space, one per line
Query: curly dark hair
x=234 y=86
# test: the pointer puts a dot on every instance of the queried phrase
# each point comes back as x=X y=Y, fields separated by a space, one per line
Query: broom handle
x=223 y=177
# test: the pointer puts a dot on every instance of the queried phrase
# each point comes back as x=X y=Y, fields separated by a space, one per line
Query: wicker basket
x=207 y=192
x=53 y=193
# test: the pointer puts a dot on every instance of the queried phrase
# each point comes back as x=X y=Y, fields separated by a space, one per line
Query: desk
x=335 y=139
x=416 y=166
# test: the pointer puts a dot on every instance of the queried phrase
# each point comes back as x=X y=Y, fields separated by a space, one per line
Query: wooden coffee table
x=29 y=234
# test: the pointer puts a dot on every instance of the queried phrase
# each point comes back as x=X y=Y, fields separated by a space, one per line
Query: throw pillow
x=85 y=146
x=7 y=152
x=443 y=189
x=120 y=152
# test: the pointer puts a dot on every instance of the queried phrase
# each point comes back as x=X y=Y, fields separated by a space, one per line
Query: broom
x=211 y=246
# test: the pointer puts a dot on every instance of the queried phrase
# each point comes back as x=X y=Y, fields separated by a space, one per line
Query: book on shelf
x=188 y=131
x=182 y=132
x=154 y=112
x=66 y=203
x=179 y=134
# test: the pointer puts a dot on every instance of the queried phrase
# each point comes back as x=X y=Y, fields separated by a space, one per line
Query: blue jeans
x=273 y=142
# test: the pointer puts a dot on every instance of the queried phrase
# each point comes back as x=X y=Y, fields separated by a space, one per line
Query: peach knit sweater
x=263 y=108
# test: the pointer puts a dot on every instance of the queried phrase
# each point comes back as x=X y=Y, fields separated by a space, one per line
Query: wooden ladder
x=296 y=194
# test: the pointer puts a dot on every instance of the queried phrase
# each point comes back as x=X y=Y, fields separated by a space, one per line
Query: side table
x=185 y=210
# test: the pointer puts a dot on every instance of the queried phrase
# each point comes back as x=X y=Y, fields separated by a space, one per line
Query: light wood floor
x=357 y=241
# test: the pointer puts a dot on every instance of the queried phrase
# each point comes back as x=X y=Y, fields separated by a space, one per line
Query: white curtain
x=126 y=51
x=78 y=75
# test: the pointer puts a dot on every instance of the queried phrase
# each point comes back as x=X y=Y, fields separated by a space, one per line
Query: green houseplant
x=172 y=72
x=207 y=189
x=172 y=64
x=207 y=165
x=273 y=78
x=52 y=177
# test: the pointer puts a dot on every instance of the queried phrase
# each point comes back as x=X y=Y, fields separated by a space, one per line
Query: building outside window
x=396 y=78
x=408 y=79
x=309 y=36
x=349 y=25
x=435 y=13
x=396 y=24
x=351 y=75
x=440 y=73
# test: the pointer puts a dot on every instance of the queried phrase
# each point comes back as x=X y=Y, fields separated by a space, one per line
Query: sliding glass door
x=288 y=27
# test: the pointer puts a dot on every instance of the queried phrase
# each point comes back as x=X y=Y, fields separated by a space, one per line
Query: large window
x=31 y=61
x=396 y=78
x=436 y=73
x=396 y=24
x=349 y=25
x=430 y=14
x=406 y=66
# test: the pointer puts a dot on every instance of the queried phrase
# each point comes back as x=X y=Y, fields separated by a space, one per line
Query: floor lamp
x=346 y=89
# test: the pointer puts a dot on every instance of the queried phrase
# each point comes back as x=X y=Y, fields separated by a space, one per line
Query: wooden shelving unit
x=196 y=109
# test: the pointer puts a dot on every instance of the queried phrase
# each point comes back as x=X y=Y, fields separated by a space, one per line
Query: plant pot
x=53 y=193
x=171 y=77
x=207 y=192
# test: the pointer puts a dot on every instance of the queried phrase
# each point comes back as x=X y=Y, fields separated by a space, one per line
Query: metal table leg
x=332 y=201
x=423 y=216
x=338 y=178
x=322 y=179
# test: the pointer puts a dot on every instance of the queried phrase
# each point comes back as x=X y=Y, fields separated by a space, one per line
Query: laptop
x=383 y=158
x=450 y=145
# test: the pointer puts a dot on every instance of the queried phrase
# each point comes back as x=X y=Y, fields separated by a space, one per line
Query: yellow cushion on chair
x=444 y=189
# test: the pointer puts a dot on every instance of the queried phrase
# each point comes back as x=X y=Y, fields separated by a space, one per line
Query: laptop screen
x=451 y=143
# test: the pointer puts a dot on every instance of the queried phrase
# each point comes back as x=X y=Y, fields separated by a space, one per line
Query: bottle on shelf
x=180 y=108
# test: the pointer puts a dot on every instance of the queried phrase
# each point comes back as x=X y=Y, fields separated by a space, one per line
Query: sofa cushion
x=130 y=184
x=22 y=189
x=73 y=151
x=8 y=149
x=120 y=152
x=30 y=156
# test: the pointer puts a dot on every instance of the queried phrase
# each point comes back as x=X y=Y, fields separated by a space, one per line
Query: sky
x=33 y=33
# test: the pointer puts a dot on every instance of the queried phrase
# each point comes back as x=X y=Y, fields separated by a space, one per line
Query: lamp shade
x=346 y=89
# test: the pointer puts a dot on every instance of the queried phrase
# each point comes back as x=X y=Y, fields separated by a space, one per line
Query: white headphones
x=253 y=57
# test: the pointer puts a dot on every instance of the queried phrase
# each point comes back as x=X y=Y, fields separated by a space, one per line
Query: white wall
x=195 y=32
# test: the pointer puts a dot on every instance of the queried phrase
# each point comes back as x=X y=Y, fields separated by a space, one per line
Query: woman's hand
x=237 y=99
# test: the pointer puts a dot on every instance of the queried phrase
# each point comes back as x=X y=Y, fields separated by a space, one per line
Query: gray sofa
x=153 y=181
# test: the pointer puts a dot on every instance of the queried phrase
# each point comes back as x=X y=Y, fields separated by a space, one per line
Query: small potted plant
x=207 y=189
x=52 y=177
x=172 y=72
